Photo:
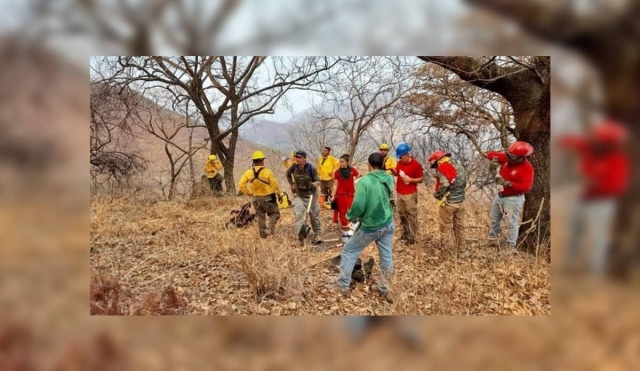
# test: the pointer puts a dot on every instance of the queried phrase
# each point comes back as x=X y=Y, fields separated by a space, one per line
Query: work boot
x=388 y=296
x=409 y=242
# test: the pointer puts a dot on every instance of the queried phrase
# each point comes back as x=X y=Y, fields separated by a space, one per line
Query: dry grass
x=148 y=247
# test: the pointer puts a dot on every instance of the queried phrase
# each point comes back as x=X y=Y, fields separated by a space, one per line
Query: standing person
x=409 y=175
x=212 y=169
x=389 y=164
x=605 y=167
x=515 y=179
x=371 y=208
x=260 y=183
x=343 y=191
x=304 y=181
x=327 y=166
x=451 y=181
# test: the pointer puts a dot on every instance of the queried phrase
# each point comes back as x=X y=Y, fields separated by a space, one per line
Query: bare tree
x=112 y=113
x=447 y=102
x=226 y=91
x=169 y=127
x=183 y=27
x=314 y=134
x=604 y=36
x=363 y=91
x=525 y=84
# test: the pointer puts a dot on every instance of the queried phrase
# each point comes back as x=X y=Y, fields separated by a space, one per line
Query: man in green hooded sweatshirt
x=372 y=209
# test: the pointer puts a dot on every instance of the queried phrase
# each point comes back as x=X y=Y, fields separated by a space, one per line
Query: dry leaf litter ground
x=157 y=257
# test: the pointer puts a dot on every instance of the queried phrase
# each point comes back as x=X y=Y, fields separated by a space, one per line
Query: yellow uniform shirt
x=389 y=164
x=265 y=185
x=212 y=168
x=327 y=167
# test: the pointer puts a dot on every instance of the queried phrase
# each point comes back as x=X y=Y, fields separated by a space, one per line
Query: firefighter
x=451 y=181
x=409 y=174
x=304 y=182
x=327 y=166
x=389 y=164
x=514 y=181
x=605 y=167
x=343 y=191
x=212 y=169
x=260 y=183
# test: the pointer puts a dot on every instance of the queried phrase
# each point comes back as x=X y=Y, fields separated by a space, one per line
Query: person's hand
x=494 y=164
x=279 y=198
x=501 y=181
x=293 y=188
x=406 y=178
x=435 y=195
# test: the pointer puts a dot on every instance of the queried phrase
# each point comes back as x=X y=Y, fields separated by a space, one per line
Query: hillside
x=268 y=133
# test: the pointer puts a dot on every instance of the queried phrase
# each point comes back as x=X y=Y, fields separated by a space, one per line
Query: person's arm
x=524 y=183
x=335 y=186
x=444 y=185
x=390 y=165
x=501 y=156
x=359 y=203
x=419 y=176
x=315 y=177
x=244 y=181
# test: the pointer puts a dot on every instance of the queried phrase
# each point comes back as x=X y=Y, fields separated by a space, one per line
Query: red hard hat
x=609 y=132
x=520 y=149
x=435 y=156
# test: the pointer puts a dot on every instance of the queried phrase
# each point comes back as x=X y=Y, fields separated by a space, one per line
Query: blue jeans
x=383 y=238
x=510 y=208
x=591 y=223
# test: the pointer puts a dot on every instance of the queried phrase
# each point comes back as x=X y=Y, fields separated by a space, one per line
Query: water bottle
x=402 y=173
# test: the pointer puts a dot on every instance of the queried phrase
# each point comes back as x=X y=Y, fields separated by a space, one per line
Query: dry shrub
x=272 y=267
x=167 y=303
x=104 y=295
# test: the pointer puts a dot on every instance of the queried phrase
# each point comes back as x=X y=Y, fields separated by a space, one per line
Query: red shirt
x=346 y=186
x=449 y=171
x=520 y=175
x=607 y=173
x=412 y=169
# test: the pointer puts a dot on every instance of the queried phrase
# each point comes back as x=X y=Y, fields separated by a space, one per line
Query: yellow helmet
x=384 y=146
x=258 y=155
x=212 y=157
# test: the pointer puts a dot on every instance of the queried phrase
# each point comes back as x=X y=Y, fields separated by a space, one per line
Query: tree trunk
x=623 y=103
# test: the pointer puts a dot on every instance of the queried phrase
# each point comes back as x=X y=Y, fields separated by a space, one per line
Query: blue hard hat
x=402 y=149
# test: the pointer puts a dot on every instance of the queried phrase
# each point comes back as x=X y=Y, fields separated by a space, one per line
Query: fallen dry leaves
x=148 y=248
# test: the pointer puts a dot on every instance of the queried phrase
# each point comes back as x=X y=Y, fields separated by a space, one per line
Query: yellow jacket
x=265 y=185
x=212 y=168
x=389 y=164
x=328 y=168
x=287 y=162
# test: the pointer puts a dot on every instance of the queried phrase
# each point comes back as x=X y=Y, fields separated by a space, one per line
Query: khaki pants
x=326 y=187
x=265 y=206
x=451 y=221
x=407 y=206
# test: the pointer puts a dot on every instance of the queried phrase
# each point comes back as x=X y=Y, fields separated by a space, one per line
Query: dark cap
x=376 y=159
x=300 y=153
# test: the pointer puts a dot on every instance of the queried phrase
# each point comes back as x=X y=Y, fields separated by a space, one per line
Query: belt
x=503 y=196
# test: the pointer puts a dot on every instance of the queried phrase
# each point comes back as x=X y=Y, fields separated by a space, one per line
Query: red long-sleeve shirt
x=519 y=175
x=607 y=174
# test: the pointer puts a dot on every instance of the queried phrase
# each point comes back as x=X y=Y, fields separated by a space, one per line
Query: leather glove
x=493 y=165
x=436 y=196
x=279 y=198
x=501 y=181
x=293 y=188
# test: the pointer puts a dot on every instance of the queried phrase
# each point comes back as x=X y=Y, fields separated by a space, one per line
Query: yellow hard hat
x=257 y=155
x=384 y=146
x=212 y=157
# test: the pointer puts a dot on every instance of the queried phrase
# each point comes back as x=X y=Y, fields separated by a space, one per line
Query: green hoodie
x=371 y=203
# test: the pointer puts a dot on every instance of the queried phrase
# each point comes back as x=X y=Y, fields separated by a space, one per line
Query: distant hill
x=268 y=133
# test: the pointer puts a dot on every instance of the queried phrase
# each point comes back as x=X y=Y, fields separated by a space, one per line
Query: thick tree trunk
x=623 y=103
